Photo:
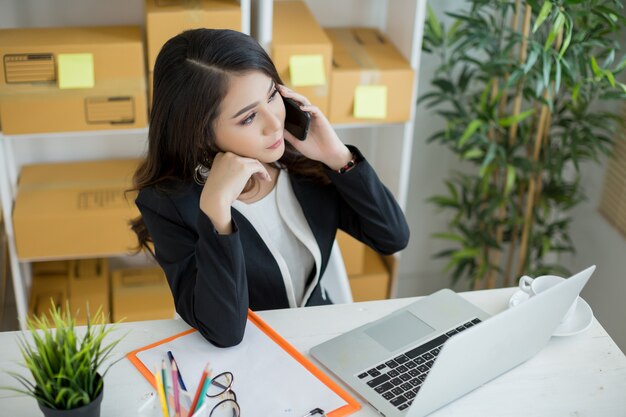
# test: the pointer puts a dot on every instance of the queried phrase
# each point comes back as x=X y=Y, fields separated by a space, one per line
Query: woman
x=243 y=215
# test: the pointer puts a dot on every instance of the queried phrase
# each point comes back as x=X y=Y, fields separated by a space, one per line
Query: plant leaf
x=569 y=25
x=473 y=153
x=510 y=179
x=554 y=31
x=543 y=14
x=448 y=236
x=469 y=131
x=434 y=23
x=516 y=118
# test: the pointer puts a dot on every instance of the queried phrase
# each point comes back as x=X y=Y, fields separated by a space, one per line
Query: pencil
x=164 y=377
x=200 y=391
x=160 y=391
x=205 y=388
x=180 y=376
x=175 y=388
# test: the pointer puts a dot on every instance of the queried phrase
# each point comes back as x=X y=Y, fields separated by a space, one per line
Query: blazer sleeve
x=367 y=209
x=205 y=270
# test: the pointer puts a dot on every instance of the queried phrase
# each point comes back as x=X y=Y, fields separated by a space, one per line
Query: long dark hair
x=191 y=76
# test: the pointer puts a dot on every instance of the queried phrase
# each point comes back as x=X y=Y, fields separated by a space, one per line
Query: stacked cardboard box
x=141 y=294
x=81 y=284
x=74 y=210
x=86 y=285
x=69 y=79
x=49 y=287
x=167 y=18
x=371 y=81
x=369 y=277
x=89 y=288
x=301 y=52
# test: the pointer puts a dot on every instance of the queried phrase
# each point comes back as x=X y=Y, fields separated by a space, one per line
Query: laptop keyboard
x=399 y=379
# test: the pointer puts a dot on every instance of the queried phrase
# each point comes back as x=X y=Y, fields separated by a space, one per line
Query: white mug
x=533 y=287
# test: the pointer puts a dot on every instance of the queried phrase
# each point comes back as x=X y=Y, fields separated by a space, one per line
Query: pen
x=200 y=390
x=180 y=377
x=175 y=388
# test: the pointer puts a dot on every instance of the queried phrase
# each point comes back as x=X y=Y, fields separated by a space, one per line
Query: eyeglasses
x=227 y=405
x=316 y=412
x=221 y=390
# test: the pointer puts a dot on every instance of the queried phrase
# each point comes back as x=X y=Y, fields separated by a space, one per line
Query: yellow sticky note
x=75 y=70
x=307 y=70
x=370 y=102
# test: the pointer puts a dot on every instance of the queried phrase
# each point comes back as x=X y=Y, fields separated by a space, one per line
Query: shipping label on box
x=86 y=210
x=301 y=52
x=371 y=81
x=68 y=79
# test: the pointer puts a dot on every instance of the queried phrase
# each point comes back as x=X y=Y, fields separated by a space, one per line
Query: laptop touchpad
x=399 y=330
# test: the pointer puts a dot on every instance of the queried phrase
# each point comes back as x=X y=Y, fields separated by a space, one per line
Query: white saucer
x=580 y=321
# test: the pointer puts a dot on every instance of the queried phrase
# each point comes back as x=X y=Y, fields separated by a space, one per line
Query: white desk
x=582 y=375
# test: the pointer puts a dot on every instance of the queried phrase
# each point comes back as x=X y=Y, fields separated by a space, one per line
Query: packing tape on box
x=121 y=86
x=99 y=199
x=92 y=186
x=369 y=72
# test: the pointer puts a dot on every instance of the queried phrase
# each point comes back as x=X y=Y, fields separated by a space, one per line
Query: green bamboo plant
x=65 y=366
x=519 y=85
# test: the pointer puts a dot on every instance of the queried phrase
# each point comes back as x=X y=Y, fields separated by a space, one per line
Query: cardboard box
x=353 y=253
x=373 y=283
x=68 y=79
x=367 y=66
x=81 y=283
x=297 y=35
x=141 y=294
x=89 y=288
x=74 y=210
x=58 y=268
x=167 y=18
x=46 y=290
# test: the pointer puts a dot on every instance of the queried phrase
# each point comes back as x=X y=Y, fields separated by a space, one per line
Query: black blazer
x=215 y=278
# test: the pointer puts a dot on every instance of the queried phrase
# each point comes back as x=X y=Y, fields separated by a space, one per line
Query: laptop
x=437 y=349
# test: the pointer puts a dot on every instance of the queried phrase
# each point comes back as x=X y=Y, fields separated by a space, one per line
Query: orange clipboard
x=351 y=406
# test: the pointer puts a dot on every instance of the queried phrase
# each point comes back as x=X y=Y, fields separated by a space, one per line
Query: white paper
x=267 y=380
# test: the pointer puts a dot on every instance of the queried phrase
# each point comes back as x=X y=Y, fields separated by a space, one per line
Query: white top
x=279 y=220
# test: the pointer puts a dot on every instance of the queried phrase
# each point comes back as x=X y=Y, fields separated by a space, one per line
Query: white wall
x=431 y=164
x=37 y=13
x=597 y=242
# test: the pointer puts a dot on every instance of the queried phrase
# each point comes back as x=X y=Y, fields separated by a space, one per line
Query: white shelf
x=388 y=147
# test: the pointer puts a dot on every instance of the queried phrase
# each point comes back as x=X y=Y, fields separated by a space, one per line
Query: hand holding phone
x=296 y=120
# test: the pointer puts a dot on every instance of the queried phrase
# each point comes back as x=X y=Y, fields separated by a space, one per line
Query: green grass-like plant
x=65 y=365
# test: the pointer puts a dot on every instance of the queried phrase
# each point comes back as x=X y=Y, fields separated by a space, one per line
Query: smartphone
x=296 y=121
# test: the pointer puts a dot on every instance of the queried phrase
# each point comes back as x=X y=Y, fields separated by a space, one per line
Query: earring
x=200 y=173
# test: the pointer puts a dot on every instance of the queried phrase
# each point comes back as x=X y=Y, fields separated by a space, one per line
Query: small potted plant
x=65 y=363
